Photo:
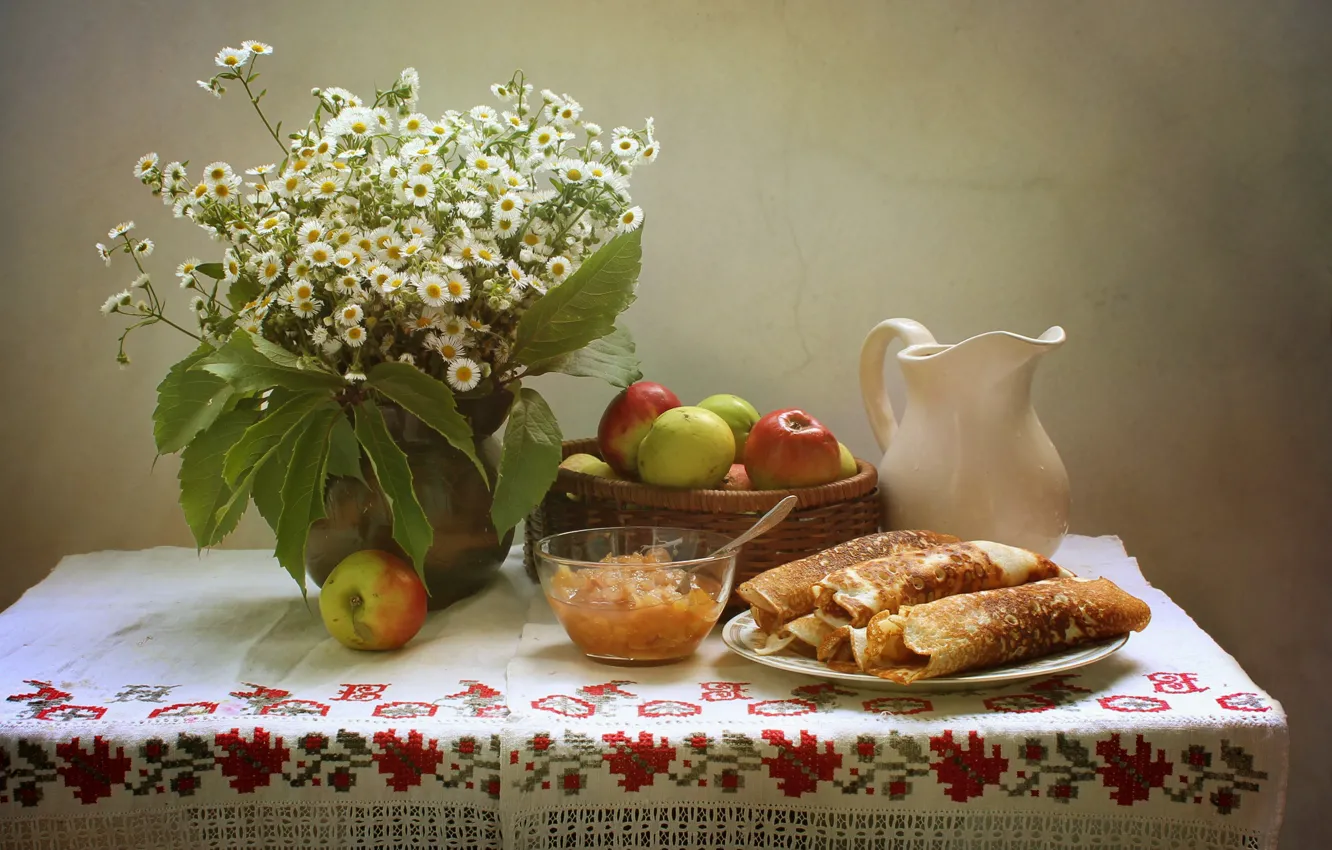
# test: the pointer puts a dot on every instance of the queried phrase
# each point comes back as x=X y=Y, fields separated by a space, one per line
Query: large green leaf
x=411 y=528
x=241 y=364
x=344 y=453
x=188 y=401
x=530 y=460
x=429 y=400
x=610 y=358
x=261 y=439
x=584 y=307
x=267 y=487
x=303 y=491
x=203 y=491
x=213 y=270
x=242 y=292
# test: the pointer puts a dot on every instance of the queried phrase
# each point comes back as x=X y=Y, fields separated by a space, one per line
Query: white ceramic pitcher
x=969 y=457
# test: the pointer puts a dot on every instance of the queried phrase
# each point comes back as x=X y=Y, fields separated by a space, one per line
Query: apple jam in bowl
x=636 y=595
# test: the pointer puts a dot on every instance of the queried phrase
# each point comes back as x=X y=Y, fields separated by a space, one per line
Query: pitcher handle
x=878 y=406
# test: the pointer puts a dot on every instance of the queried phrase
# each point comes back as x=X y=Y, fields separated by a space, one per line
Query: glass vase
x=466 y=551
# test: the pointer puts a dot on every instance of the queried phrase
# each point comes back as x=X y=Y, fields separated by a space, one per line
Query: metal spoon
x=765 y=523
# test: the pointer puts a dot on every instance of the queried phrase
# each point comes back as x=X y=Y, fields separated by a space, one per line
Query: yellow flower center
x=320 y=256
x=328 y=187
x=304 y=291
x=270 y=270
x=448 y=351
x=485 y=254
x=455 y=288
x=464 y=374
x=291 y=183
x=394 y=252
x=627 y=218
x=504 y=224
x=557 y=269
x=574 y=174
x=349 y=314
x=420 y=190
x=531 y=239
x=483 y=164
x=433 y=290
x=507 y=204
x=359 y=127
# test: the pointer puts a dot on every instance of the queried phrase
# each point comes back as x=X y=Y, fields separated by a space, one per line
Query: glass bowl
x=636 y=595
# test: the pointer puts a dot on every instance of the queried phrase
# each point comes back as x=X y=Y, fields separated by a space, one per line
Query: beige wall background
x=1153 y=176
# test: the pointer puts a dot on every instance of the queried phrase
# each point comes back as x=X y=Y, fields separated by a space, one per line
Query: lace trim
x=341 y=824
x=705 y=827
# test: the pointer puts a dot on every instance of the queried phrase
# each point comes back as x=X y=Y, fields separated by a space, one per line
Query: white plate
x=743 y=637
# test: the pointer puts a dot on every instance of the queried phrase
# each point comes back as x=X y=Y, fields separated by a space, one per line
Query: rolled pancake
x=855 y=594
x=992 y=627
x=781 y=594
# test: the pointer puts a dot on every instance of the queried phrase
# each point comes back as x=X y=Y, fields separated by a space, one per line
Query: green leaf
x=530 y=460
x=411 y=528
x=213 y=270
x=243 y=365
x=187 y=402
x=303 y=491
x=429 y=400
x=203 y=491
x=267 y=487
x=584 y=307
x=610 y=358
x=242 y=291
x=261 y=439
x=344 y=453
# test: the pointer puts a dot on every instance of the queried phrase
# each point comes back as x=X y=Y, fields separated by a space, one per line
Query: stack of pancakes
x=909 y=605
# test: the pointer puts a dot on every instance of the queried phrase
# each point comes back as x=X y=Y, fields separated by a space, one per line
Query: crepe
x=781 y=594
x=851 y=596
x=984 y=629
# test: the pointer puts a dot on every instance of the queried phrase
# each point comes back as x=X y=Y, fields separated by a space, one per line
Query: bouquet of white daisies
x=386 y=258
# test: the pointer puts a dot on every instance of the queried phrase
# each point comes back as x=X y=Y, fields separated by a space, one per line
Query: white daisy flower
x=428 y=166
x=354 y=336
x=292 y=185
x=301 y=290
x=507 y=227
x=449 y=347
x=418 y=226
x=230 y=57
x=144 y=248
x=352 y=376
x=348 y=284
x=354 y=121
x=542 y=137
x=319 y=253
x=231 y=266
x=483 y=162
x=340 y=96
x=224 y=190
x=571 y=170
x=218 y=172
x=104 y=253
x=326 y=186
x=533 y=237
x=185 y=271
x=501 y=91
x=120 y=229
x=463 y=374
x=453 y=326
x=319 y=336
x=428 y=320
x=624 y=146
x=211 y=87
x=592 y=130
x=269 y=268
x=261 y=170
x=456 y=288
x=477 y=325
x=508 y=206
x=311 y=231
x=431 y=289
x=559 y=267
x=597 y=172
x=650 y=151
x=483 y=114
x=629 y=220
x=471 y=209
x=411 y=81
x=307 y=309
x=378 y=274
x=487 y=255
x=415 y=247
x=407 y=358
x=567 y=112
x=395 y=281
x=272 y=223
x=256 y=47
x=116 y=302
x=140 y=282
x=199 y=304
x=300 y=269
x=350 y=314
x=512 y=179
x=413 y=125
x=510 y=119
x=419 y=190
x=344 y=259
x=145 y=166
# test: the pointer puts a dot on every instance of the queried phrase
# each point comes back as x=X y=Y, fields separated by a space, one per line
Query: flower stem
x=255 y=101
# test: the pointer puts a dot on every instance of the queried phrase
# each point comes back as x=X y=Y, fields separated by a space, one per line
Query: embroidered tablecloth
x=158 y=699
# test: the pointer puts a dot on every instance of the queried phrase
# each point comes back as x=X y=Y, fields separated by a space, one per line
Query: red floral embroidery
x=1131 y=704
x=723 y=691
x=405 y=761
x=399 y=710
x=360 y=693
x=668 y=708
x=184 y=709
x=1133 y=776
x=637 y=761
x=565 y=705
x=44 y=693
x=782 y=707
x=1020 y=704
x=968 y=771
x=898 y=705
x=92 y=772
x=1175 y=683
x=292 y=707
x=1243 y=702
x=250 y=764
x=800 y=767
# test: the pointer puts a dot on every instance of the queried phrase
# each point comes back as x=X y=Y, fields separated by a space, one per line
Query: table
x=159 y=699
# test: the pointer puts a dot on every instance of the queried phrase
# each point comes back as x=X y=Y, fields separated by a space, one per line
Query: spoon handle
x=767 y=521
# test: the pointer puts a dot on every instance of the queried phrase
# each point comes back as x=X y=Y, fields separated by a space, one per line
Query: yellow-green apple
x=373 y=600
x=790 y=448
x=589 y=465
x=627 y=420
x=686 y=447
x=737 y=478
x=849 y=466
x=737 y=413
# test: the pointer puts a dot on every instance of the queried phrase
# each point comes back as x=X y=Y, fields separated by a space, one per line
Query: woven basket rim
x=862 y=483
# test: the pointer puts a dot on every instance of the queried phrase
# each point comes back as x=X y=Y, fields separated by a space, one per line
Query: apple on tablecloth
x=373 y=600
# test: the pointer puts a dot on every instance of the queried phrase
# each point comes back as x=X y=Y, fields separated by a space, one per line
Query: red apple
x=627 y=420
x=373 y=600
x=789 y=448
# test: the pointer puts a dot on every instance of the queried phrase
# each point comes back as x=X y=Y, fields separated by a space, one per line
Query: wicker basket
x=825 y=515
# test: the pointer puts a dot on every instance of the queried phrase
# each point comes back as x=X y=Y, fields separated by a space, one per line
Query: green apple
x=589 y=465
x=849 y=466
x=739 y=414
x=687 y=447
x=373 y=600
